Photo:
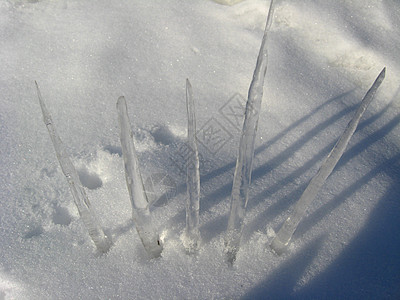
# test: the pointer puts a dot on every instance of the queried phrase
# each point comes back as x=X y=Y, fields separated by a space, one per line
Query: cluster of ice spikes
x=241 y=181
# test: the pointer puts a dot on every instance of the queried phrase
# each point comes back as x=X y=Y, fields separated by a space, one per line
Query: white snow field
x=323 y=56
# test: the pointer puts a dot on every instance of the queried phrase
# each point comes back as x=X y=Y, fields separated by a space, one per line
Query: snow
x=323 y=57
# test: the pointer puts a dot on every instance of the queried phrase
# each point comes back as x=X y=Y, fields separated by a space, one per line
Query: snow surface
x=323 y=57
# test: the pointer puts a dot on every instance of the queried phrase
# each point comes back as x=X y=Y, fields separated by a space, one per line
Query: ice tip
x=270 y=15
x=188 y=84
x=37 y=89
x=380 y=77
x=42 y=105
x=271 y=3
x=120 y=101
x=383 y=72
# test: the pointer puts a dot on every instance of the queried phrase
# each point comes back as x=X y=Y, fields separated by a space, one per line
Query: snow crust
x=323 y=57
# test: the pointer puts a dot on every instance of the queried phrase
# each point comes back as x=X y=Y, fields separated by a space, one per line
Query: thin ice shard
x=140 y=205
x=192 y=234
x=81 y=200
x=284 y=235
x=242 y=177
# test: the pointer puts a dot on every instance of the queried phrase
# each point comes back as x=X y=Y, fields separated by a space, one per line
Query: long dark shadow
x=274 y=162
x=284 y=203
x=276 y=138
x=215 y=197
x=229 y=166
x=324 y=210
x=350 y=153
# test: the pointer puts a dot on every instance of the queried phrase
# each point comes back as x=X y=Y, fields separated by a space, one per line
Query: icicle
x=140 y=206
x=191 y=239
x=284 y=235
x=242 y=177
x=81 y=200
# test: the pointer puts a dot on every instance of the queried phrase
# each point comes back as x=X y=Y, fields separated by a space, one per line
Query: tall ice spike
x=191 y=239
x=81 y=200
x=242 y=177
x=140 y=205
x=284 y=235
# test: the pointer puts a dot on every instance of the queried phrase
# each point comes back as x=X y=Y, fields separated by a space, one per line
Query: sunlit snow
x=322 y=58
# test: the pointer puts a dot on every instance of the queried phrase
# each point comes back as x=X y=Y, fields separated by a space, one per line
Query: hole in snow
x=61 y=216
x=163 y=135
x=90 y=180
x=113 y=149
x=33 y=231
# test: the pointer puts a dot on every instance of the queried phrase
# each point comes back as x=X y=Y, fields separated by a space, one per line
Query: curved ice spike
x=284 y=235
x=102 y=242
x=242 y=177
x=140 y=205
